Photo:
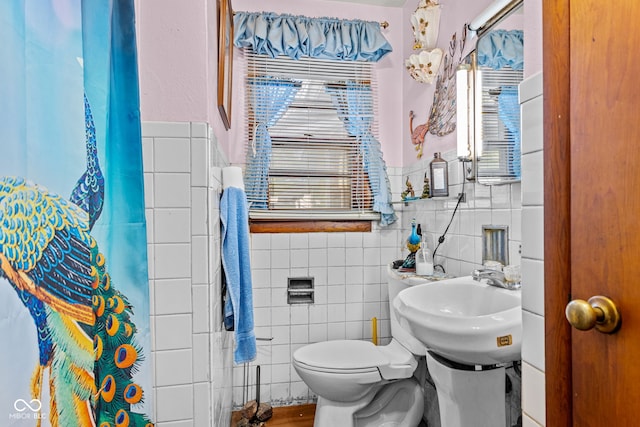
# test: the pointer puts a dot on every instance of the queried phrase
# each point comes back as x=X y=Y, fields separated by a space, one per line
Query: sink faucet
x=494 y=278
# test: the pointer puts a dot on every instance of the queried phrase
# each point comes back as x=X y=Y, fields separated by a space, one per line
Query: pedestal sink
x=472 y=330
x=463 y=320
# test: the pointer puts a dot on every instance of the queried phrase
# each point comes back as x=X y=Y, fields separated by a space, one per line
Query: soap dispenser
x=424 y=260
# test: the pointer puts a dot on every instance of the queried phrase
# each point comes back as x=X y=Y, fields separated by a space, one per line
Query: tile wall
x=191 y=355
x=349 y=271
x=461 y=251
x=347 y=298
x=533 y=346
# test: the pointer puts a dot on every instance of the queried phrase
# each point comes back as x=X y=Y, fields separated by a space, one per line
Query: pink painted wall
x=533 y=37
x=172 y=53
x=419 y=96
x=177 y=61
x=178 y=65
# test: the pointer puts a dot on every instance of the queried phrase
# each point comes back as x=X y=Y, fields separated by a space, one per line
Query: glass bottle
x=439 y=176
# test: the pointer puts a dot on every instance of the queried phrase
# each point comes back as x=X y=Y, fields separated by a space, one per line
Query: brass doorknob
x=599 y=312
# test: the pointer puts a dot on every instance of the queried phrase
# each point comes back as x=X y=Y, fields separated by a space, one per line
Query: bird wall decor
x=418 y=134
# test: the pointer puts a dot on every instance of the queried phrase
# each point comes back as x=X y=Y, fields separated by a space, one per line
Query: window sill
x=302 y=221
x=314 y=226
x=305 y=215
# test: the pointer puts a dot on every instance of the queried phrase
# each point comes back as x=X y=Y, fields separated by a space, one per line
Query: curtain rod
x=494 y=13
x=383 y=24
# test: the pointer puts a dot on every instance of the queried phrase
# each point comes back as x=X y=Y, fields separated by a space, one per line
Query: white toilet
x=359 y=384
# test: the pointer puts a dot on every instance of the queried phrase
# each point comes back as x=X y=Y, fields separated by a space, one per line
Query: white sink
x=464 y=320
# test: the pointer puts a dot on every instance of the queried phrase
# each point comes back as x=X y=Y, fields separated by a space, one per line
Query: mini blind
x=497 y=92
x=316 y=168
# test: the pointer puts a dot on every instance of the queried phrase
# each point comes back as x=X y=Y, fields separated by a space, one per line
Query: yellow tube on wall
x=374 y=330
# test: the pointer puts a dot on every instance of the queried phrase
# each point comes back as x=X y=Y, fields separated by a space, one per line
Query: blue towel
x=235 y=261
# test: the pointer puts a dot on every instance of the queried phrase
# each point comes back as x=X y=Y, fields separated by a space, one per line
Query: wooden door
x=592 y=207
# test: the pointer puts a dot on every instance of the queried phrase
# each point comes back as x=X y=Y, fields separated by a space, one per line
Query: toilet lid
x=341 y=354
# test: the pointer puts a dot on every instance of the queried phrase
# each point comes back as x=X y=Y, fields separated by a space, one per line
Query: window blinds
x=499 y=159
x=317 y=167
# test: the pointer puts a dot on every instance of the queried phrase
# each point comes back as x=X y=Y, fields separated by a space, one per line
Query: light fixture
x=477 y=108
x=423 y=66
x=465 y=119
x=426 y=24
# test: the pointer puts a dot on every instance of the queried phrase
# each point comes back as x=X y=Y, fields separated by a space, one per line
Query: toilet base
x=469 y=398
x=396 y=404
x=400 y=404
x=330 y=413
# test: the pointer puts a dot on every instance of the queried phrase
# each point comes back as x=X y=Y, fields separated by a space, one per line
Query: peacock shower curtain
x=74 y=303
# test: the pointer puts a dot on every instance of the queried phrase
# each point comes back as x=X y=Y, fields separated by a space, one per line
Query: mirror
x=225 y=60
x=488 y=105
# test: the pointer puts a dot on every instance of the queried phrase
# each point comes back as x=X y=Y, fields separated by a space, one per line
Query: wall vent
x=300 y=290
x=495 y=243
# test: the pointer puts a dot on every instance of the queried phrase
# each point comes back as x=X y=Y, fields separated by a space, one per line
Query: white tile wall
x=192 y=355
x=350 y=288
x=533 y=394
x=461 y=251
x=533 y=342
x=533 y=346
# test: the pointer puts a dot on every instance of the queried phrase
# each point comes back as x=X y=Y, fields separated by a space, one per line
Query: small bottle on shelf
x=439 y=176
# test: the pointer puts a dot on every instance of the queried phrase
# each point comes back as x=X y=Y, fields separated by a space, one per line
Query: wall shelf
x=406 y=202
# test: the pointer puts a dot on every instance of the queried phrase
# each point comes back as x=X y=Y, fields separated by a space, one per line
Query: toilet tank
x=396 y=283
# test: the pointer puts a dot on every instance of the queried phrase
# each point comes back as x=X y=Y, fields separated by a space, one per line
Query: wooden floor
x=286 y=416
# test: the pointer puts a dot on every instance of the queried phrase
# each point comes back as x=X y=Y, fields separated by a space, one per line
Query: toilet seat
x=353 y=356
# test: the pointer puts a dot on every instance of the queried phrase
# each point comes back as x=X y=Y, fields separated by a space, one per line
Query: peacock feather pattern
x=86 y=339
x=88 y=193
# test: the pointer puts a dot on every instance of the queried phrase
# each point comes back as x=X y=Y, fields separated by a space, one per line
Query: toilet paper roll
x=232 y=177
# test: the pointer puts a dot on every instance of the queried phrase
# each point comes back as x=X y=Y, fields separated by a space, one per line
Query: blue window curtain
x=496 y=50
x=501 y=48
x=351 y=100
x=295 y=36
x=509 y=113
x=271 y=99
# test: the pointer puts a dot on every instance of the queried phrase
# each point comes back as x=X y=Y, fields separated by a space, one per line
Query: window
x=309 y=127
x=499 y=124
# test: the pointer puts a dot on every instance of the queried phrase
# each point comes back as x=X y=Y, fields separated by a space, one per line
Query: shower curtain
x=74 y=302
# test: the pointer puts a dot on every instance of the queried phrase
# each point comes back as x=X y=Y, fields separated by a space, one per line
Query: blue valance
x=295 y=36
x=500 y=48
